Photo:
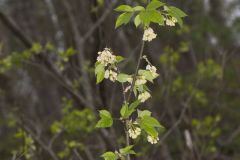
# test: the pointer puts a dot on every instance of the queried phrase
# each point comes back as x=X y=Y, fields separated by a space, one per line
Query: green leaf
x=156 y=17
x=99 y=71
x=124 y=110
x=123 y=77
x=98 y=67
x=106 y=119
x=177 y=11
x=151 y=16
x=154 y=4
x=70 y=51
x=144 y=17
x=109 y=156
x=127 y=110
x=134 y=105
x=137 y=21
x=124 y=8
x=123 y=19
x=145 y=88
x=135 y=91
x=36 y=48
x=119 y=58
x=179 y=19
x=140 y=88
x=147 y=74
x=127 y=150
x=138 y=8
x=150 y=121
x=149 y=129
x=144 y=113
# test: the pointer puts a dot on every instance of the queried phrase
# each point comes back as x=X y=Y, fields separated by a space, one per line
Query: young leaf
x=124 y=8
x=144 y=113
x=138 y=8
x=177 y=11
x=137 y=21
x=106 y=119
x=100 y=77
x=149 y=129
x=144 y=17
x=99 y=71
x=127 y=150
x=123 y=19
x=154 y=4
x=147 y=74
x=127 y=110
x=134 y=105
x=119 y=58
x=179 y=19
x=135 y=91
x=124 y=110
x=150 y=121
x=156 y=17
x=98 y=67
x=140 y=88
x=123 y=77
x=145 y=88
x=109 y=156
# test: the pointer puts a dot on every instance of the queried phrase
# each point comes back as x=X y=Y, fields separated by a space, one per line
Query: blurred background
x=49 y=101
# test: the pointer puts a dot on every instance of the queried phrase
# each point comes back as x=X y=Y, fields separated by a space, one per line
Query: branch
x=41 y=143
x=11 y=25
x=100 y=20
x=136 y=72
x=78 y=97
x=28 y=43
x=77 y=154
x=186 y=105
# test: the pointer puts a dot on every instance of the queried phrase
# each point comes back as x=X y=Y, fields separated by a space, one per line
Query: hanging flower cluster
x=171 y=21
x=135 y=130
x=152 y=69
x=140 y=80
x=142 y=97
x=106 y=57
x=152 y=140
x=110 y=74
x=107 y=60
x=149 y=35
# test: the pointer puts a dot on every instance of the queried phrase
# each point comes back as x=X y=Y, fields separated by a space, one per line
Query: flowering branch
x=106 y=68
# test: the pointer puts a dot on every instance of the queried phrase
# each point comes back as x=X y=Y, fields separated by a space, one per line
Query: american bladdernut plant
x=135 y=84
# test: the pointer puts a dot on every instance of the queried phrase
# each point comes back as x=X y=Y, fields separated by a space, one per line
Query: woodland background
x=48 y=96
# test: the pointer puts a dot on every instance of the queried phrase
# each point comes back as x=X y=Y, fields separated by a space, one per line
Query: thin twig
x=79 y=97
x=42 y=144
x=100 y=20
x=131 y=90
x=77 y=154
x=186 y=105
x=136 y=72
